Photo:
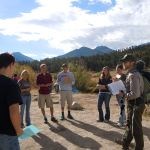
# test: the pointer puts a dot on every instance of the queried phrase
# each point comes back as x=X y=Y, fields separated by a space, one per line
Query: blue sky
x=42 y=28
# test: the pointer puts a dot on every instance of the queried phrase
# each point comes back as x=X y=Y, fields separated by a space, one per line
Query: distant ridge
x=20 y=57
x=85 y=51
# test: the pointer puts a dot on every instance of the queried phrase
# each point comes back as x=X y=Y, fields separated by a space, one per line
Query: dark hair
x=120 y=66
x=15 y=75
x=6 y=59
x=140 y=65
x=64 y=65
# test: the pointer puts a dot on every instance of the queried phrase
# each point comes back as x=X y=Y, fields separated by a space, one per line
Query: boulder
x=76 y=106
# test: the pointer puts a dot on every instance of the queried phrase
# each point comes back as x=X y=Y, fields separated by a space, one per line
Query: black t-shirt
x=9 y=94
x=105 y=81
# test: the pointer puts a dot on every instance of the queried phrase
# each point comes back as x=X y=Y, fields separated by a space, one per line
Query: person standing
x=104 y=94
x=25 y=87
x=135 y=104
x=44 y=82
x=121 y=99
x=10 y=99
x=65 y=79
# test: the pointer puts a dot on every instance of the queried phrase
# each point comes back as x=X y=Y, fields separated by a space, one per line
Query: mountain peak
x=85 y=51
x=21 y=57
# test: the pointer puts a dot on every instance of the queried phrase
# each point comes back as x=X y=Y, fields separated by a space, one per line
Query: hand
x=102 y=87
x=19 y=131
x=97 y=85
x=67 y=80
x=121 y=94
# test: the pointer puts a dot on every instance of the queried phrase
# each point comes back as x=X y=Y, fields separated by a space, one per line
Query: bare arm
x=15 y=118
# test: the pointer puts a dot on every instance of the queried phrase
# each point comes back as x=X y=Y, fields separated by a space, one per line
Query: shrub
x=83 y=78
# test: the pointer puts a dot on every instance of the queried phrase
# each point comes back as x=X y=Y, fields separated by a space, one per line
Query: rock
x=76 y=106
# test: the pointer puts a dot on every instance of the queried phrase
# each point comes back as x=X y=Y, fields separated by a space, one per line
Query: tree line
x=96 y=62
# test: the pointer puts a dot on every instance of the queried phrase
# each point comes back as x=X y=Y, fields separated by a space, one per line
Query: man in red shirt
x=44 y=82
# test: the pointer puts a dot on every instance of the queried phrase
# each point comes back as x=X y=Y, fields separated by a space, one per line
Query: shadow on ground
x=47 y=144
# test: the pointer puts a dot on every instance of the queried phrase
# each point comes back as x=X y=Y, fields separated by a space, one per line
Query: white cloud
x=67 y=27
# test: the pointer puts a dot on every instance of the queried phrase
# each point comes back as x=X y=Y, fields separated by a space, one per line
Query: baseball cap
x=128 y=57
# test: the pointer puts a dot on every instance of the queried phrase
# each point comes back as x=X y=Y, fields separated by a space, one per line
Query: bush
x=83 y=78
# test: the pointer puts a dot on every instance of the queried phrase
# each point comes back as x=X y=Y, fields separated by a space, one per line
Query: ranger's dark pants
x=135 y=109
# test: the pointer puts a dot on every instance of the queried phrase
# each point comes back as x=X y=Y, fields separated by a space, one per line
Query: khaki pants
x=45 y=98
x=66 y=95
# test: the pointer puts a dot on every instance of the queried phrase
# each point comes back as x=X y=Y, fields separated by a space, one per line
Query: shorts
x=45 y=98
x=66 y=95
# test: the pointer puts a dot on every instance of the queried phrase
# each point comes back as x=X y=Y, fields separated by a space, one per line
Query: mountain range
x=83 y=51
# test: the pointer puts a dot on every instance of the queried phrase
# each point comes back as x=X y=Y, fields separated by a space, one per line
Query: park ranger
x=135 y=104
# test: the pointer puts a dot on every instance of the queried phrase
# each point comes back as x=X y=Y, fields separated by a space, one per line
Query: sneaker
x=119 y=124
x=70 y=116
x=62 y=118
x=106 y=121
x=45 y=120
x=54 y=119
x=28 y=124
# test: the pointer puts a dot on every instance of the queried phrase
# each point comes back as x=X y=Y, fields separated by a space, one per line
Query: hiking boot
x=54 y=119
x=45 y=120
x=62 y=118
x=70 y=116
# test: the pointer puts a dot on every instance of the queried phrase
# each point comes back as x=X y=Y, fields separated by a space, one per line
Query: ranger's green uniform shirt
x=134 y=84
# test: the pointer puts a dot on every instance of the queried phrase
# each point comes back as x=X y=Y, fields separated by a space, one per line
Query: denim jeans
x=9 y=142
x=104 y=97
x=121 y=103
x=26 y=105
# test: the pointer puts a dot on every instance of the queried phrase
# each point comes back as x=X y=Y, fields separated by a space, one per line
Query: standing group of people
x=44 y=81
x=134 y=84
x=13 y=94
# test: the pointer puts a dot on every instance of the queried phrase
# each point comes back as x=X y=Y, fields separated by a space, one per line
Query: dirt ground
x=83 y=133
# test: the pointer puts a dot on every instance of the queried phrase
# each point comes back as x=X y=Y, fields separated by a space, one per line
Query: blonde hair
x=25 y=73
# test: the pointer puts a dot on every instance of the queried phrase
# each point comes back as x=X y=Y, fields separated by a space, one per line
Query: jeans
x=26 y=104
x=9 y=142
x=104 y=97
x=121 y=103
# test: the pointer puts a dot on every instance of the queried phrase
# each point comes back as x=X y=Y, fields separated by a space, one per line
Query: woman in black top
x=104 y=94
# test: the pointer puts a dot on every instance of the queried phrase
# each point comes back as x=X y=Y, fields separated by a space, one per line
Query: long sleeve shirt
x=134 y=84
x=65 y=81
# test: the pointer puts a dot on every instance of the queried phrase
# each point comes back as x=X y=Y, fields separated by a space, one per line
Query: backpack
x=146 y=92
